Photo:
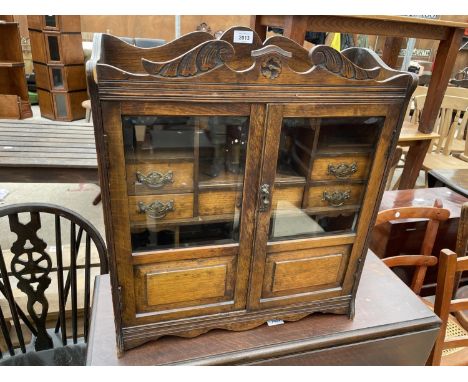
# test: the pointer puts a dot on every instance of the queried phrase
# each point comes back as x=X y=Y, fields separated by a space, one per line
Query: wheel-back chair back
x=33 y=273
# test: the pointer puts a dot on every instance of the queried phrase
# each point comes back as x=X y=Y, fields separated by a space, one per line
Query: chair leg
x=397 y=184
x=97 y=199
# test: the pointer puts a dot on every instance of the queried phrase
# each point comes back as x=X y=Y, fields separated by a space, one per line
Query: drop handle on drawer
x=157 y=209
x=336 y=198
x=342 y=170
x=155 y=179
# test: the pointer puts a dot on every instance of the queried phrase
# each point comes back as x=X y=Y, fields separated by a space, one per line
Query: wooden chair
x=457 y=92
x=453 y=338
x=424 y=259
x=47 y=277
x=412 y=114
x=395 y=160
x=450 y=125
x=455 y=319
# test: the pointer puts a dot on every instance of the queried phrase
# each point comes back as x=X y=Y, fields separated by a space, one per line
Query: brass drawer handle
x=342 y=170
x=155 y=179
x=157 y=209
x=336 y=198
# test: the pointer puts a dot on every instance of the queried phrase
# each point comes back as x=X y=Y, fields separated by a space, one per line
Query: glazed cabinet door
x=182 y=218
x=321 y=174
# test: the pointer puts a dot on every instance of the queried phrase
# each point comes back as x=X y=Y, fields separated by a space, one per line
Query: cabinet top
x=240 y=61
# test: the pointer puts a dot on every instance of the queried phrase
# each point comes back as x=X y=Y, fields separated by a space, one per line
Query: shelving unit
x=59 y=66
x=14 y=102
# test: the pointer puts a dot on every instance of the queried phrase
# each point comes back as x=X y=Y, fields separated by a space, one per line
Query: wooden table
x=41 y=152
x=456 y=180
x=395 y=28
x=391 y=327
x=406 y=236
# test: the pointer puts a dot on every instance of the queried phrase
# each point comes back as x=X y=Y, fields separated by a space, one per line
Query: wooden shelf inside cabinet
x=11 y=64
x=222 y=210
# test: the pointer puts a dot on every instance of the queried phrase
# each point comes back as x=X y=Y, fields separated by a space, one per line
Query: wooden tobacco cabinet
x=240 y=180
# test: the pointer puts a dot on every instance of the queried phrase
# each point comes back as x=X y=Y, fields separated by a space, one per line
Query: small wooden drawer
x=154 y=208
x=335 y=195
x=302 y=271
x=219 y=202
x=285 y=196
x=340 y=168
x=182 y=283
x=154 y=178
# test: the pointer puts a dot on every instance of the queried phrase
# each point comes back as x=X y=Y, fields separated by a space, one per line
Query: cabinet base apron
x=236 y=321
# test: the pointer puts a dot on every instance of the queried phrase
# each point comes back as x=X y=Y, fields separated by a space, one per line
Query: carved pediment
x=333 y=61
x=199 y=55
x=207 y=56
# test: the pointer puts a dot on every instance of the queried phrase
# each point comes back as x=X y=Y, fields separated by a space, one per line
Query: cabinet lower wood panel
x=182 y=207
x=180 y=284
x=159 y=178
x=304 y=271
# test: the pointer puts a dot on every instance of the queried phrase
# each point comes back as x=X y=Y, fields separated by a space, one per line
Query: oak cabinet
x=239 y=180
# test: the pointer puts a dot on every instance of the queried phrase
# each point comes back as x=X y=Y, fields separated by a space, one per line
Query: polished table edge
x=448 y=183
x=429 y=323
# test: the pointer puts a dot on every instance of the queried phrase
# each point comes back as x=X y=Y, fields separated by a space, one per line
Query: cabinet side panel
x=119 y=206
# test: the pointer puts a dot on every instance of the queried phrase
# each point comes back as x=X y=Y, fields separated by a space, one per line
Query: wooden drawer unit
x=154 y=208
x=218 y=202
x=227 y=206
x=155 y=178
x=341 y=168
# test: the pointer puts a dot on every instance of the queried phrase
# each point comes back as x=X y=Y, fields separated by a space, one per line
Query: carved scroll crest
x=31 y=265
x=336 y=63
x=207 y=56
x=271 y=68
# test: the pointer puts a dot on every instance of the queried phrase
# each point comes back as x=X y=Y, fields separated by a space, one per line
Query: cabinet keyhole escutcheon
x=264 y=197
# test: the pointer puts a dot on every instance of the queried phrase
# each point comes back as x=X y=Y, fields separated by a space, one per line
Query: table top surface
x=384 y=307
x=399 y=19
x=409 y=132
x=457 y=179
x=424 y=197
x=41 y=144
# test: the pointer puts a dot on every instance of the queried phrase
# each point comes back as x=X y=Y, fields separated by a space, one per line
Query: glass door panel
x=321 y=174
x=184 y=179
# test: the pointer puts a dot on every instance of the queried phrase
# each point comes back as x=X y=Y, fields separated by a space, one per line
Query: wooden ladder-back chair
x=424 y=259
x=457 y=92
x=449 y=348
x=414 y=117
x=449 y=266
x=450 y=125
x=36 y=277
